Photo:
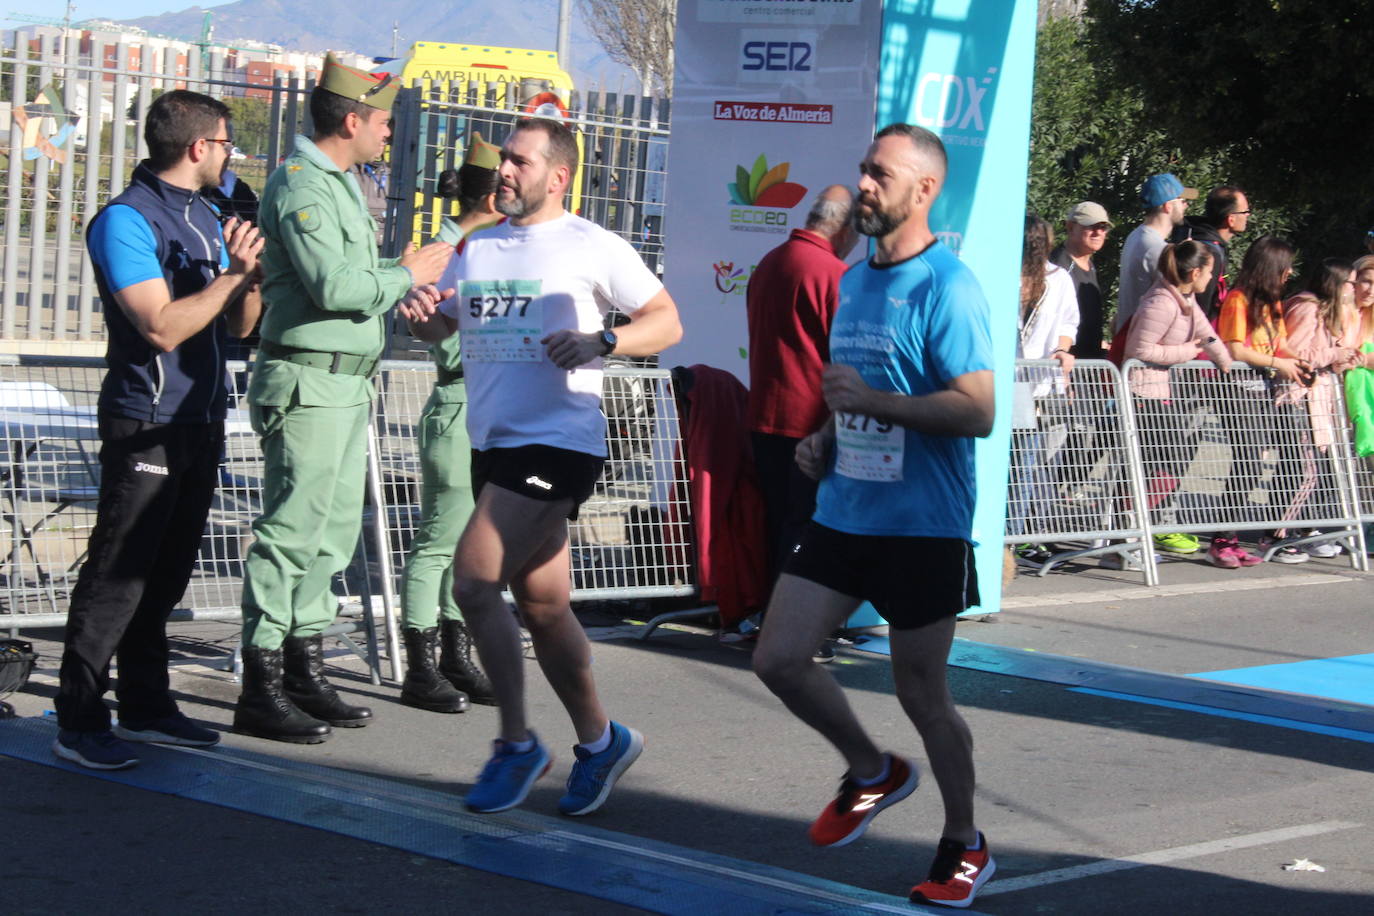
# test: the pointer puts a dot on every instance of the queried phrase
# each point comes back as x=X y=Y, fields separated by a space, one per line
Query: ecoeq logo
x=953 y=105
x=777 y=56
x=761 y=196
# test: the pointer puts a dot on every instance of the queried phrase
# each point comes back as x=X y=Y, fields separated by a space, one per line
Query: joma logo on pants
x=150 y=468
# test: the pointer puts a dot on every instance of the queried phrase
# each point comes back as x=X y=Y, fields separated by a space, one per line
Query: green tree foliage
x=1278 y=89
x=251 y=123
x=1092 y=138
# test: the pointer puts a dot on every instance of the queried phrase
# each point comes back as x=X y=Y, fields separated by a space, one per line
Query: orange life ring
x=546 y=105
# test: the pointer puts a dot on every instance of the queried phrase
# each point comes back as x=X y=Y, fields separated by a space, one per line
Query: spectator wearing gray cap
x=1166 y=200
x=1085 y=232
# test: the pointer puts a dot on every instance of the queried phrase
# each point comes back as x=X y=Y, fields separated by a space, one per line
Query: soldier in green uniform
x=429 y=613
x=326 y=294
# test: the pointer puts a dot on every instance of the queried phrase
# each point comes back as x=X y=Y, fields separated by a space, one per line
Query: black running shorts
x=911 y=581
x=540 y=472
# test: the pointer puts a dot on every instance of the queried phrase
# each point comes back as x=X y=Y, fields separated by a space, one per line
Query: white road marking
x=1162 y=857
x=1138 y=592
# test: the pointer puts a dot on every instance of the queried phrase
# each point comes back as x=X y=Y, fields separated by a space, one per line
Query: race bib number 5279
x=868 y=449
x=501 y=320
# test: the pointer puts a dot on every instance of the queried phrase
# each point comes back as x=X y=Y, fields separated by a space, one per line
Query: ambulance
x=526 y=82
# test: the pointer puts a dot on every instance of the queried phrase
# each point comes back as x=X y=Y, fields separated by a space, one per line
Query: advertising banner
x=964 y=69
x=773 y=100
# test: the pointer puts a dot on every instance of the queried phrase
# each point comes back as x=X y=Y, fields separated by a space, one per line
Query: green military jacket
x=324 y=287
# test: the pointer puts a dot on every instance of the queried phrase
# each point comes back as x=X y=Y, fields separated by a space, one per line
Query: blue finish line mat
x=1324 y=696
x=598 y=863
x=1349 y=678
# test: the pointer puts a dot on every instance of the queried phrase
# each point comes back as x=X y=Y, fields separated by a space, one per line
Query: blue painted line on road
x=1325 y=712
x=1367 y=737
x=576 y=857
x=1349 y=678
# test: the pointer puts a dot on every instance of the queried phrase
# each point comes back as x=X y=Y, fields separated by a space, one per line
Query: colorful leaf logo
x=765 y=187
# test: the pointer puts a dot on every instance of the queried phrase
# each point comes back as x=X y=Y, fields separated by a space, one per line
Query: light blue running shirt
x=909 y=327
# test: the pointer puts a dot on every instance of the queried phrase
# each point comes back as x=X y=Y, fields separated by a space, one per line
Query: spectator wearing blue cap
x=1225 y=215
x=1166 y=200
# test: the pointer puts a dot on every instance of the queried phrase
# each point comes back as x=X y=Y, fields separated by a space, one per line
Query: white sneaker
x=1322 y=550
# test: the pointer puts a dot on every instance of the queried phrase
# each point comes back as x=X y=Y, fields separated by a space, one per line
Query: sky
x=96 y=9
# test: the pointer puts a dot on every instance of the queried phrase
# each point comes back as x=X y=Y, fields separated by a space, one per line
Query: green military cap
x=375 y=90
x=482 y=154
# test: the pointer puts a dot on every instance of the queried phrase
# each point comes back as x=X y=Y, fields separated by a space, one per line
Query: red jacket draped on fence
x=727 y=509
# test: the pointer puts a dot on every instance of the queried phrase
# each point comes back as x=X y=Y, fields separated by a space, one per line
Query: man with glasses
x=1225 y=215
x=1085 y=232
x=173 y=286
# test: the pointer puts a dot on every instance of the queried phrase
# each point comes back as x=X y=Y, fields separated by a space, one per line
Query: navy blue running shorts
x=910 y=581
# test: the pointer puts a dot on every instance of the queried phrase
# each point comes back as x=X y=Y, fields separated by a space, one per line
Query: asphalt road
x=1091 y=804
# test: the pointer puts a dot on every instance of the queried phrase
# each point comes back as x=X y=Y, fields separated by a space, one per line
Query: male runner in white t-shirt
x=529 y=297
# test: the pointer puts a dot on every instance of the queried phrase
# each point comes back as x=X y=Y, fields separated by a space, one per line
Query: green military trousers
x=315 y=470
x=445 y=504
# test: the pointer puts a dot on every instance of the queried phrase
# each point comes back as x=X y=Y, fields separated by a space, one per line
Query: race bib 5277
x=501 y=320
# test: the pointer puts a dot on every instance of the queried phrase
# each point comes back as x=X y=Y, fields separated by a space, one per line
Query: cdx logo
x=950 y=100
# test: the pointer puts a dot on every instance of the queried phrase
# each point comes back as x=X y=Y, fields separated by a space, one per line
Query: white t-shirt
x=515 y=285
x=1055 y=316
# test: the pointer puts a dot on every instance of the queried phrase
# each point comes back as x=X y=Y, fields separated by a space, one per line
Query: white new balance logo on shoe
x=868 y=800
x=970 y=870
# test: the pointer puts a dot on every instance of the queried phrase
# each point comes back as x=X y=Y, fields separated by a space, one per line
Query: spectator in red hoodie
x=792 y=296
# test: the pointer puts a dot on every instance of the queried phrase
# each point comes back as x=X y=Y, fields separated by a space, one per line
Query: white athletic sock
x=977 y=844
x=520 y=747
x=887 y=771
x=600 y=744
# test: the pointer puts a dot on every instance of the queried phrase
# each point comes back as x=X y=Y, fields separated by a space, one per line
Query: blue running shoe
x=507 y=777
x=94 y=750
x=593 y=775
x=174 y=729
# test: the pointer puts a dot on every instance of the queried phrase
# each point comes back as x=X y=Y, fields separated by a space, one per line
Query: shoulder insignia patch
x=306 y=221
x=293 y=168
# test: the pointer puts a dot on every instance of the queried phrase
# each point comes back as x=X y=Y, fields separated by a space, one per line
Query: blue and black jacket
x=179 y=236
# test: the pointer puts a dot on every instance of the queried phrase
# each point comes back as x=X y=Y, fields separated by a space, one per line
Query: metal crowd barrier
x=1070 y=483
x=49 y=486
x=1102 y=460
x=631 y=539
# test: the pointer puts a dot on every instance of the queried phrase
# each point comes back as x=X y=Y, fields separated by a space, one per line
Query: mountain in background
x=366 y=28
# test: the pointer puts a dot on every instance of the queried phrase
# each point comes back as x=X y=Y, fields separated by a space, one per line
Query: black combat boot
x=303 y=678
x=424 y=687
x=456 y=664
x=264 y=710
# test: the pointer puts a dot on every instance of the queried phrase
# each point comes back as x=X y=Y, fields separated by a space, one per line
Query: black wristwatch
x=608 y=342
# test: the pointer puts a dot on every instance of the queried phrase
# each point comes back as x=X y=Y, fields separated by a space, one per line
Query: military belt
x=333 y=363
x=448 y=376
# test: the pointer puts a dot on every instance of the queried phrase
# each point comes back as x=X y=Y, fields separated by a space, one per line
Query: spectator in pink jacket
x=1169 y=328
x=1319 y=322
